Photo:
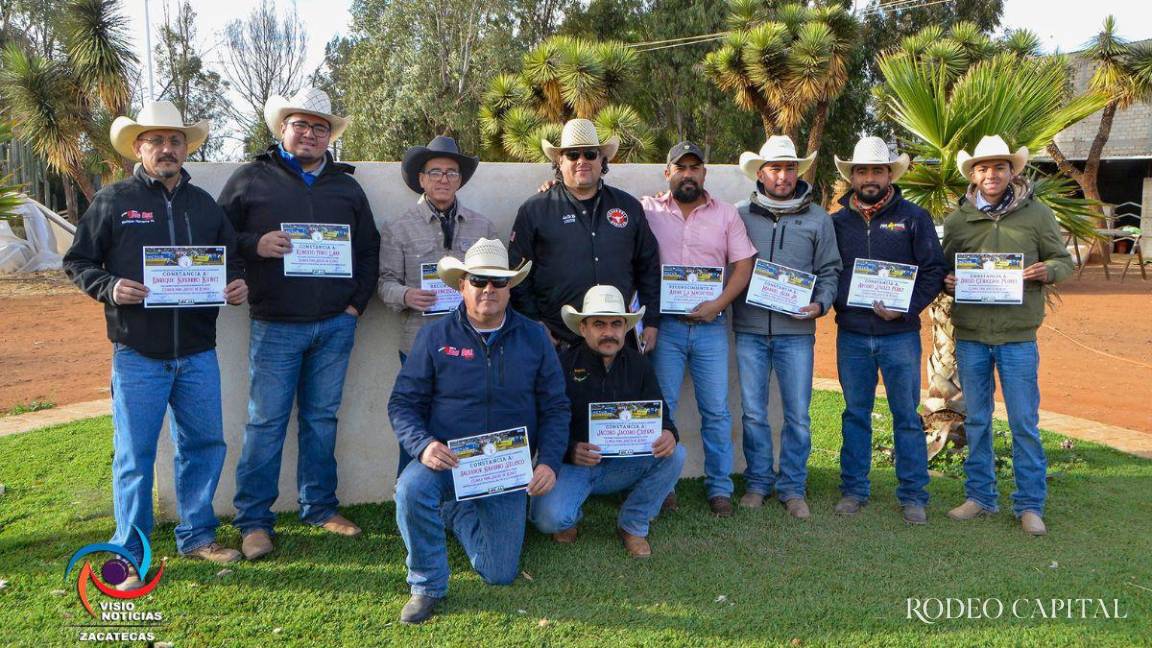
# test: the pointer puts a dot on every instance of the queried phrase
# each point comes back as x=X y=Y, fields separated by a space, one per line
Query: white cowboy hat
x=310 y=101
x=155 y=115
x=778 y=148
x=486 y=257
x=602 y=301
x=872 y=151
x=992 y=147
x=580 y=133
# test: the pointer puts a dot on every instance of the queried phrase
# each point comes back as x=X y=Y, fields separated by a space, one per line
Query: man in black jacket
x=311 y=246
x=162 y=356
x=614 y=388
x=886 y=234
x=580 y=233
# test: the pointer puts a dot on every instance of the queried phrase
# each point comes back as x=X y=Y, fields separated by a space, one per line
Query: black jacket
x=571 y=251
x=901 y=232
x=631 y=378
x=108 y=246
x=265 y=193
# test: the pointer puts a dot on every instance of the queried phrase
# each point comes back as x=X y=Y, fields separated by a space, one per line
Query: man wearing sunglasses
x=482 y=368
x=581 y=233
x=303 y=327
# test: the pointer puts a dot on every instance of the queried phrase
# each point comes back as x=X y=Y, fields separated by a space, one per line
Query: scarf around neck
x=868 y=211
x=1018 y=190
x=797 y=204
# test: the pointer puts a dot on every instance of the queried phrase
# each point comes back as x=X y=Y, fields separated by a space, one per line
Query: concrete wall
x=366 y=446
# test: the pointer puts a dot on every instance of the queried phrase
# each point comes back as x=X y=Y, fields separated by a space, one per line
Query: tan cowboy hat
x=778 y=148
x=155 y=115
x=580 y=133
x=992 y=147
x=872 y=151
x=486 y=257
x=600 y=301
x=310 y=101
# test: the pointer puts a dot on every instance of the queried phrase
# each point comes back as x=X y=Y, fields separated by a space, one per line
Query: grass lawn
x=756 y=579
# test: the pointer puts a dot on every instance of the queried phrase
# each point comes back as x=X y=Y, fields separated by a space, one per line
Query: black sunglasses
x=589 y=154
x=479 y=281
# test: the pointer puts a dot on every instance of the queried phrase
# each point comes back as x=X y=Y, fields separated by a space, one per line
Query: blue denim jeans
x=897 y=358
x=1018 y=364
x=306 y=363
x=490 y=529
x=791 y=358
x=143 y=389
x=650 y=480
x=703 y=349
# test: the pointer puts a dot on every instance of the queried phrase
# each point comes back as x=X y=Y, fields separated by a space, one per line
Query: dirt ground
x=53 y=347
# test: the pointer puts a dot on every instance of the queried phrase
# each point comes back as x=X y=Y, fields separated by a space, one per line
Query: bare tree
x=187 y=83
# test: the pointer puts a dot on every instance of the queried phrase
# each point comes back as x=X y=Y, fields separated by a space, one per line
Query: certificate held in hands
x=184 y=276
x=493 y=463
x=780 y=288
x=625 y=429
x=318 y=250
x=882 y=281
x=447 y=298
x=990 y=278
x=683 y=288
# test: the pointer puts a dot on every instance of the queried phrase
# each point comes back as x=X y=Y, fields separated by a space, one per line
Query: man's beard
x=772 y=194
x=873 y=198
x=687 y=192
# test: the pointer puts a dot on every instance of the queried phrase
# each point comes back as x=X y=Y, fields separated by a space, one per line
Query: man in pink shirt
x=700 y=238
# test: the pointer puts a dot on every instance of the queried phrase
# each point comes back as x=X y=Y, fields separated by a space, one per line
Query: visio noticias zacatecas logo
x=121 y=611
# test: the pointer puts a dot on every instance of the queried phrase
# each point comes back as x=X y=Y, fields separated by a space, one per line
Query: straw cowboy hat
x=310 y=101
x=580 y=133
x=992 y=147
x=486 y=258
x=872 y=151
x=778 y=148
x=441 y=146
x=600 y=301
x=155 y=115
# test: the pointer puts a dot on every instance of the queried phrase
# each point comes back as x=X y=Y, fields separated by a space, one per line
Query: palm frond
x=95 y=38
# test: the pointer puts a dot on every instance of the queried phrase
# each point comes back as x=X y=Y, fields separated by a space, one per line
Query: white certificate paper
x=491 y=464
x=883 y=281
x=625 y=429
x=185 y=276
x=318 y=250
x=989 y=278
x=446 y=297
x=683 y=288
x=780 y=288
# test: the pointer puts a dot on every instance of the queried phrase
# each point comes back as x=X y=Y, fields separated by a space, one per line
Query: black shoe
x=418 y=609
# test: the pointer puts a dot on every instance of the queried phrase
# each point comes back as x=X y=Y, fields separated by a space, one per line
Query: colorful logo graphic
x=114 y=571
x=618 y=217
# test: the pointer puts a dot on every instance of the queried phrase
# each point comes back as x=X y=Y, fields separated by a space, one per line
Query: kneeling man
x=622 y=385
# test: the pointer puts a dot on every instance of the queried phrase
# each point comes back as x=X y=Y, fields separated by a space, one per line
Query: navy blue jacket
x=901 y=232
x=455 y=385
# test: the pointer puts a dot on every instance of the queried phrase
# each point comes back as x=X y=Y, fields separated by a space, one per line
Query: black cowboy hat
x=440 y=146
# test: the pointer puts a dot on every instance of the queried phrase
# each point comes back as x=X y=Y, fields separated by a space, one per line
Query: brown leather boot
x=752 y=500
x=214 y=552
x=567 y=536
x=670 y=504
x=341 y=525
x=256 y=544
x=721 y=505
x=798 y=508
x=636 y=546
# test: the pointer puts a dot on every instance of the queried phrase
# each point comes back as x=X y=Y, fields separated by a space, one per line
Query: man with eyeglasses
x=303 y=323
x=484 y=368
x=580 y=233
x=163 y=359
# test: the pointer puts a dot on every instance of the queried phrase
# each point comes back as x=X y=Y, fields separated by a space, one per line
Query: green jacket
x=1030 y=227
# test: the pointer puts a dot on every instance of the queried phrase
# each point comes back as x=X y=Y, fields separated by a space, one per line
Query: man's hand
x=543 y=479
x=437 y=456
x=127 y=292
x=546 y=186
x=950 y=284
x=884 y=314
x=664 y=446
x=648 y=339
x=419 y=300
x=705 y=312
x=811 y=311
x=351 y=310
x=586 y=454
x=1036 y=272
x=274 y=245
x=236 y=292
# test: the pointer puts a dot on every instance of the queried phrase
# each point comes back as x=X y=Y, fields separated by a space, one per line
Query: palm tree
x=945 y=96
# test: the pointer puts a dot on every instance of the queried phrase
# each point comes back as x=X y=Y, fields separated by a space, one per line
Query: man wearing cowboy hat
x=302 y=327
x=582 y=232
x=163 y=357
x=999 y=214
x=603 y=369
x=483 y=368
x=876 y=222
x=788 y=229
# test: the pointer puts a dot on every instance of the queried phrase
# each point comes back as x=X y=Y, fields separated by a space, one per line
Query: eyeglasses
x=479 y=281
x=173 y=141
x=301 y=127
x=589 y=154
x=436 y=174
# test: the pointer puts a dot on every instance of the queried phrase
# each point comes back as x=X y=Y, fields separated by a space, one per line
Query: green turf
x=755 y=579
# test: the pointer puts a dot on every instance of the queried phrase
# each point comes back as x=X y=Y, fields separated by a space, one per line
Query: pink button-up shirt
x=712 y=235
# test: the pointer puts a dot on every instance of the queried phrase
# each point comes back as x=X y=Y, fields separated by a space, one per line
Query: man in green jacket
x=1000 y=215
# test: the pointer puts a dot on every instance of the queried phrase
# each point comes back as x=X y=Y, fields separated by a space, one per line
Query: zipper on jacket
x=172 y=239
x=783 y=231
x=772 y=259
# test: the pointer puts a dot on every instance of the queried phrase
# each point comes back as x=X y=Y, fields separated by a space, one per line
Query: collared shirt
x=713 y=234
